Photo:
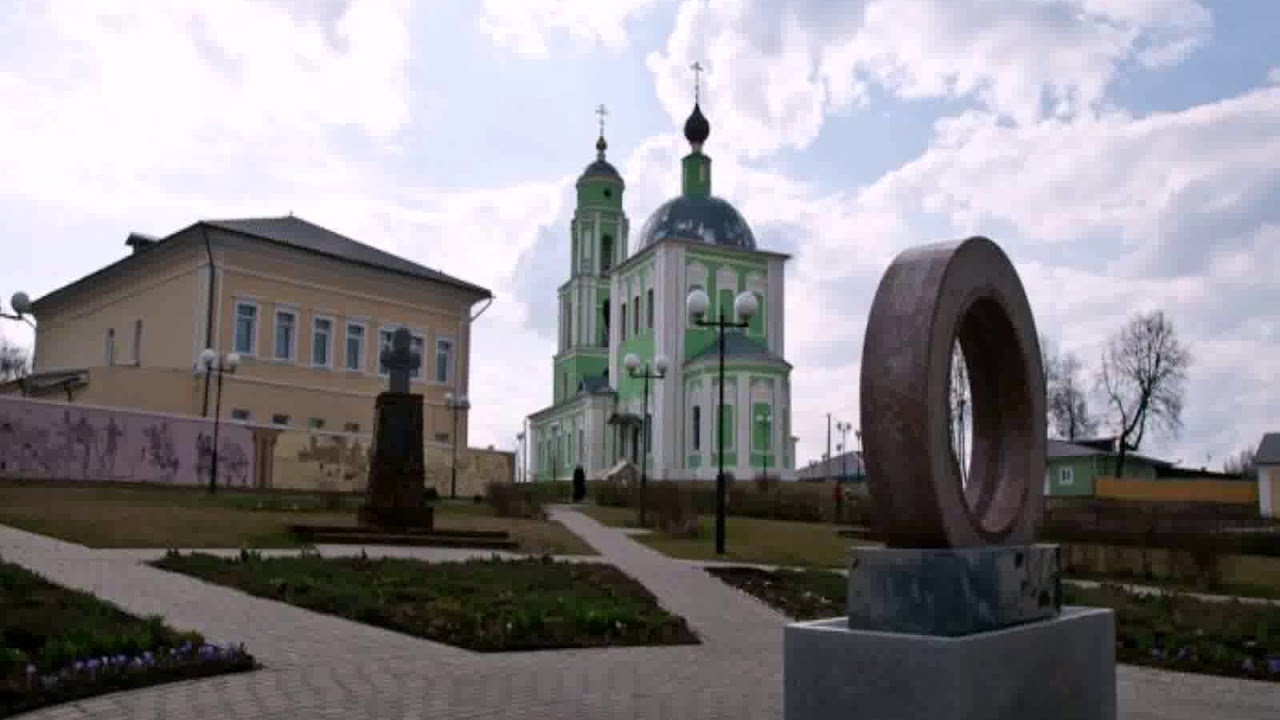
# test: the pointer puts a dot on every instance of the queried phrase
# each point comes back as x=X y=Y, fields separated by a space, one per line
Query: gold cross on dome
x=697 y=69
x=601 y=112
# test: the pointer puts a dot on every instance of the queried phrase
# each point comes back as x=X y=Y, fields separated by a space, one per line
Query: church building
x=619 y=302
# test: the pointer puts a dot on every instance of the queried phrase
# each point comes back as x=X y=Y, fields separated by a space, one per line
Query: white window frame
x=389 y=331
x=275 y=333
x=288 y=420
x=109 y=348
x=248 y=415
x=1066 y=475
x=346 y=346
x=328 y=359
x=421 y=377
x=451 y=370
x=252 y=350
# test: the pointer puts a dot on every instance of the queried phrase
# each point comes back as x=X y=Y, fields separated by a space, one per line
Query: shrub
x=514 y=501
x=670 y=509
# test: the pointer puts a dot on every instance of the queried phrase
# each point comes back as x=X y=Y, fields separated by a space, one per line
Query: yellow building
x=307 y=310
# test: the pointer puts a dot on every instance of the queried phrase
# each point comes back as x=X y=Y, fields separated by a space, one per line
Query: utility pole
x=828 y=457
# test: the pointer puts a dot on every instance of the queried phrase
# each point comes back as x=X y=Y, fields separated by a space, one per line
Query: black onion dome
x=707 y=220
x=696 y=128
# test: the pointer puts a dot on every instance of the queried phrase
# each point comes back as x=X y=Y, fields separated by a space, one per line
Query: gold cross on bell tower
x=697 y=69
x=601 y=112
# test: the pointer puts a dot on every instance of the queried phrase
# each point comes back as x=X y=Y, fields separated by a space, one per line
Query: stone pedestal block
x=1057 y=669
x=396 y=495
x=956 y=591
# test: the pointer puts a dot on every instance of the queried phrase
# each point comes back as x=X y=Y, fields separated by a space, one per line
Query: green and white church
x=618 y=303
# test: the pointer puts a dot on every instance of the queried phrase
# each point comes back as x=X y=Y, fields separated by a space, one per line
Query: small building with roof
x=1267 y=462
x=625 y=297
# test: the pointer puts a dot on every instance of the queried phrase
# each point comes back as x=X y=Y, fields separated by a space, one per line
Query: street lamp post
x=843 y=428
x=212 y=363
x=745 y=306
x=763 y=418
x=456 y=403
x=659 y=371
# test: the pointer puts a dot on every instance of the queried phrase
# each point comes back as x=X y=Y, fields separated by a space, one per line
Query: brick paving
x=326 y=667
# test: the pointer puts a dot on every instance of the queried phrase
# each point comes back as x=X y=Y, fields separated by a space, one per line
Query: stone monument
x=961 y=615
x=396 y=495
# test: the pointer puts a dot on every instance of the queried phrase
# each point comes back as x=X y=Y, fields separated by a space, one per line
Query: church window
x=604 y=324
x=649 y=307
x=606 y=251
x=581 y=441
x=697 y=427
x=624 y=321
x=635 y=315
x=608 y=192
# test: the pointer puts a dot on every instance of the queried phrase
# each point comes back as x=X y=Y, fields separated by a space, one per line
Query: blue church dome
x=704 y=219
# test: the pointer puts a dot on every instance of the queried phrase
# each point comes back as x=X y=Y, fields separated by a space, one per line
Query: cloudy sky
x=1126 y=153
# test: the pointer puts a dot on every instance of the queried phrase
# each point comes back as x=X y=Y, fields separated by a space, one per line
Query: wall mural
x=52 y=441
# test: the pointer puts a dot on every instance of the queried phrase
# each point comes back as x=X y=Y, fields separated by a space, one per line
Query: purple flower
x=93 y=664
x=79 y=666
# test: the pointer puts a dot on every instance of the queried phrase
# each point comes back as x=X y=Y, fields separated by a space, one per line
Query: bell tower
x=598 y=236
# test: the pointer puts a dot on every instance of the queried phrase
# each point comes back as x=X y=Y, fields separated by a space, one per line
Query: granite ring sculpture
x=928 y=298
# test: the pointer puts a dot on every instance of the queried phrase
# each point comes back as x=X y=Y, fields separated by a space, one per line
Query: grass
x=750 y=540
x=1170 y=631
x=484 y=605
x=58 y=645
x=165 y=517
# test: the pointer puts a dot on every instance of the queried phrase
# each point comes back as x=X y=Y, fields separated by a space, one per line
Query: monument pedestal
x=396 y=496
x=961 y=633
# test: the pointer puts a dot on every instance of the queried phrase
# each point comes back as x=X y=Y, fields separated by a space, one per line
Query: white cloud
x=528 y=27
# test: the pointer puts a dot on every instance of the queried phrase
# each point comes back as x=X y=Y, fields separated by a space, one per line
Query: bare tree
x=1143 y=374
x=960 y=410
x=14 y=361
x=1241 y=464
x=1067 y=403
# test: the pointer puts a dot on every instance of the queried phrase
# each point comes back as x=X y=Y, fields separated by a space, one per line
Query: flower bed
x=58 y=645
x=485 y=605
x=1170 y=631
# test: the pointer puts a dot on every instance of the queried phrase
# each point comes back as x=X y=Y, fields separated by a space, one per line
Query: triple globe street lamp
x=745 y=306
x=642 y=371
x=211 y=363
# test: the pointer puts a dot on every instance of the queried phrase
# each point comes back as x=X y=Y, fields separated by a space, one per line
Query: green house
x=1073 y=468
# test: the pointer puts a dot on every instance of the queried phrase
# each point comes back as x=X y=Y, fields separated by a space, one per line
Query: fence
x=1239 y=492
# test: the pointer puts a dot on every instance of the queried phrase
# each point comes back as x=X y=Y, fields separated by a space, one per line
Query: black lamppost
x=659 y=371
x=744 y=306
x=456 y=403
x=763 y=418
x=211 y=363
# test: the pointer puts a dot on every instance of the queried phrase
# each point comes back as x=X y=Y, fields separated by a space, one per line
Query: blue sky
x=1124 y=153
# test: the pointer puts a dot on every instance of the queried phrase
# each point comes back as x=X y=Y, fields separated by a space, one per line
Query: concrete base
x=1063 y=668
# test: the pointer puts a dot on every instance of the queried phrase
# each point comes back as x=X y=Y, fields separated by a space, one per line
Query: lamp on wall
x=642 y=371
x=744 y=306
x=457 y=404
x=211 y=363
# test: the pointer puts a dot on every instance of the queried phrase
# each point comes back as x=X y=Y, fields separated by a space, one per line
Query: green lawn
x=164 y=517
x=752 y=540
x=58 y=644
x=484 y=605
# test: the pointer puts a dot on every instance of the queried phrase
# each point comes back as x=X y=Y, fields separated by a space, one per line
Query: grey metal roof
x=707 y=220
x=738 y=346
x=1064 y=449
x=1268 y=450
x=846 y=463
x=601 y=168
x=298 y=233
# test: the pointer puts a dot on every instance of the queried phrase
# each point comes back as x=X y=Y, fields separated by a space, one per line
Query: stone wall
x=43 y=440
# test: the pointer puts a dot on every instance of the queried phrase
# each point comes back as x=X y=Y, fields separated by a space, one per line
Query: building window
x=418 y=345
x=241 y=414
x=321 y=342
x=697 y=427
x=581 y=442
x=355 y=346
x=444 y=361
x=1066 y=476
x=246 y=328
x=137 y=341
x=286 y=333
x=623 y=325
x=316 y=423
x=280 y=419
x=635 y=316
x=649 y=307
x=109 y=354
x=351 y=427
x=384 y=343
x=442 y=437
x=606 y=252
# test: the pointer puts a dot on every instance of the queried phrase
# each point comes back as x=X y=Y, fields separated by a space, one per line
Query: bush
x=670 y=509
x=514 y=501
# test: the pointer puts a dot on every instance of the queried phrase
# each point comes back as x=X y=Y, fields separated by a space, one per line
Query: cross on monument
x=697 y=69
x=601 y=112
x=400 y=361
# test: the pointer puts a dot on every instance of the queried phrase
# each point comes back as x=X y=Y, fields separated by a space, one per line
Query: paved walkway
x=322 y=667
